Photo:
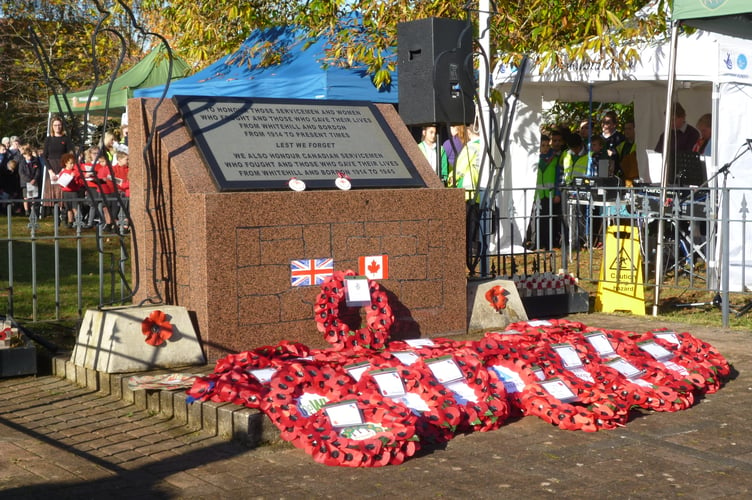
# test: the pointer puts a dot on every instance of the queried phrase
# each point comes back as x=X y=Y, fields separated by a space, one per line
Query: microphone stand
x=718 y=299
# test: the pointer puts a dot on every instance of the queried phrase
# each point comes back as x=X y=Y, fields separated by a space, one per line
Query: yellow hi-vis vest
x=467 y=169
x=574 y=166
x=547 y=178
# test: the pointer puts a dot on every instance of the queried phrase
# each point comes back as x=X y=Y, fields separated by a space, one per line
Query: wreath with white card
x=335 y=319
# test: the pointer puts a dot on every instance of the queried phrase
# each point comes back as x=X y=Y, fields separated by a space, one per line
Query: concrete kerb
x=224 y=420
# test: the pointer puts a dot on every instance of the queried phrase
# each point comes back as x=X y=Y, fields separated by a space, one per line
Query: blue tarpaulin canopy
x=300 y=75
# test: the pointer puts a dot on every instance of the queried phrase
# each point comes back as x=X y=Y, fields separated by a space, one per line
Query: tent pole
x=712 y=248
x=667 y=126
x=484 y=41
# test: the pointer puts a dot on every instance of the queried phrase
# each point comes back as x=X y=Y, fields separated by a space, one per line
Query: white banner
x=733 y=131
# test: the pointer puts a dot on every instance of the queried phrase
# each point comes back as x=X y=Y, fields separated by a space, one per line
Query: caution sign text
x=620 y=287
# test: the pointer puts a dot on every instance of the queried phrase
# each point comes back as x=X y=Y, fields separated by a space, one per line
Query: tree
x=362 y=30
x=46 y=47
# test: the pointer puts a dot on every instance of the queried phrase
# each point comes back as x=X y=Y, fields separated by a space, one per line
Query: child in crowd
x=91 y=186
x=30 y=171
x=71 y=186
x=106 y=188
x=123 y=185
x=596 y=155
x=12 y=183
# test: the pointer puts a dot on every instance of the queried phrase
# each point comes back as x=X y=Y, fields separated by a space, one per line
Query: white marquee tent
x=713 y=74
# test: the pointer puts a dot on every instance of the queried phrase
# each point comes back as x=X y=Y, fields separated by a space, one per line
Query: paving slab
x=64 y=441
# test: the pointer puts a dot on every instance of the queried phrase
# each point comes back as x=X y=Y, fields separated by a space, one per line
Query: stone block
x=483 y=316
x=105 y=383
x=58 y=365
x=194 y=413
x=225 y=419
x=210 y=416
x=126 y=393
x=92 y=379
x=166 y=403
x=180 y=407
x=70 y=372
x=139 y=398
x=80 y=376
x=111 y=341
x=153 y=401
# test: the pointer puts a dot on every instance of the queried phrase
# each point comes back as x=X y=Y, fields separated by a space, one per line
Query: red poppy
x=157 y=328
x=497 y=297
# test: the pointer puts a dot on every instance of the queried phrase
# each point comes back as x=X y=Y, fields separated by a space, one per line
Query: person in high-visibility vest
x=434 y=153
x=467 y=166
x=574 y=161
x=627 y=150
x=544 y=229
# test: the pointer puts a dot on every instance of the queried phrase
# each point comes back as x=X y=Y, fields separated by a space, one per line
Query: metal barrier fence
x=55 y=270
x=693 y=245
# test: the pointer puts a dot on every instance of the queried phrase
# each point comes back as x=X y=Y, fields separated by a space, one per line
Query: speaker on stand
x=435 y=68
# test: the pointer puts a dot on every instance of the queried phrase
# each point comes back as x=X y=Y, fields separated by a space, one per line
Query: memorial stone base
x=481 y=314
x=111 y=341
x=225 y=256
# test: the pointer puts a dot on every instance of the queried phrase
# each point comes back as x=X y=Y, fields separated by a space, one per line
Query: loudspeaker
x=435 y=71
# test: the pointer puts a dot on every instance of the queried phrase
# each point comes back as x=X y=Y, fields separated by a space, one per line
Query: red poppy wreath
x=334 y=316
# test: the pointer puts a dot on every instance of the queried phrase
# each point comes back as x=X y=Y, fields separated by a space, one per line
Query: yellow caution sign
x=620 y=287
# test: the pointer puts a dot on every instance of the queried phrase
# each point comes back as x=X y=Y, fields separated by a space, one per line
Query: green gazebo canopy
x=730 y=17
x=150 y=71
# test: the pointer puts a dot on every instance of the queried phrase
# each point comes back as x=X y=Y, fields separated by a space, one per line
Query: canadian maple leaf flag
x=374 y=267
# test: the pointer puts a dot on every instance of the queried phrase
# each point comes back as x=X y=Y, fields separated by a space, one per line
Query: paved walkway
x=61 y=441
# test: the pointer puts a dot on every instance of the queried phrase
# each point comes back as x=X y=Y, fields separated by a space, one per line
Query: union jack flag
x=310 y=271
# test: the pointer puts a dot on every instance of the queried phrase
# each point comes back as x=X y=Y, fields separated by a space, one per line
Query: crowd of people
x=599 y=147
x=93 y=180
x=456 y=161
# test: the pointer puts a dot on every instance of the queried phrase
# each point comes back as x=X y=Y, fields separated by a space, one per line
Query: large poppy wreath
x=294 y=404
x=336 y=320
x=527 y=368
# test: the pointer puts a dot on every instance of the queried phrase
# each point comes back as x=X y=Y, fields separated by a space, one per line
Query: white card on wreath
x=657 y=351
x=558 y=389
x=445 y=369
x=600 y=343
x=668 y=337
x=568 y=354
x=417 y=343
x=344 y=413
x=357 y=293
x=414 y=402
x=624 y=367
x=511 y=379
x=581 y=373
x=406 y=357
x=539 y=322
x=389 y=382
x=677 y=368
x=263 y=375
x=463 y=393
x=309 y=403
x=356 y=370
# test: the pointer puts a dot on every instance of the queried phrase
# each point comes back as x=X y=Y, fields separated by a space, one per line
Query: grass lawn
x=55 y=317
x=36 y=304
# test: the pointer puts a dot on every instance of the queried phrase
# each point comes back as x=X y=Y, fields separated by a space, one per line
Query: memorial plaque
x=260 y=144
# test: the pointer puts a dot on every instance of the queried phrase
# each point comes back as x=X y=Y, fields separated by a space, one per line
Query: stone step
x=248 y=426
